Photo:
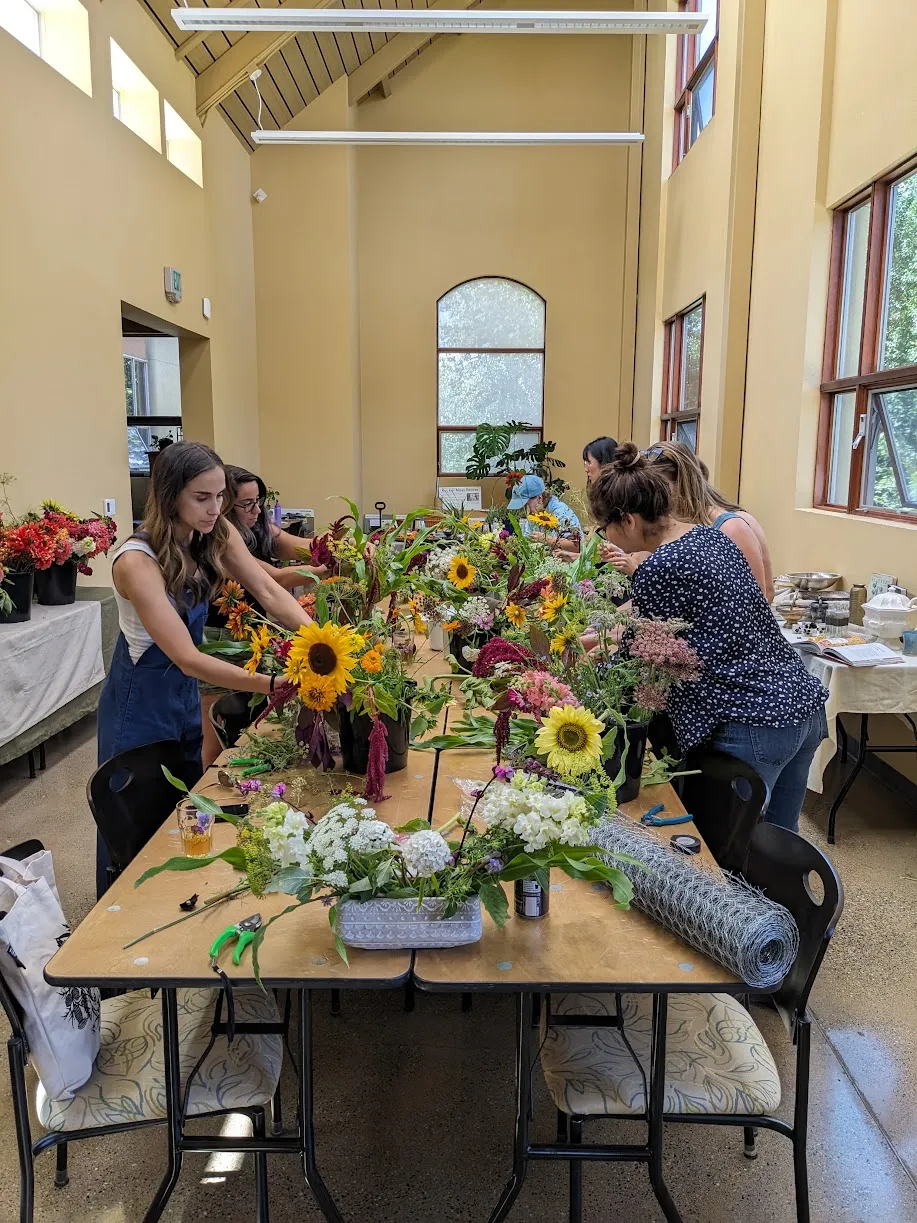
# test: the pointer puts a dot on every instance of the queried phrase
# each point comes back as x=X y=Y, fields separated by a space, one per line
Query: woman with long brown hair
x=164 y=578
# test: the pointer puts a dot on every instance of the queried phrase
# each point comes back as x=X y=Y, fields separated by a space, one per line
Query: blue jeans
x=781 y=756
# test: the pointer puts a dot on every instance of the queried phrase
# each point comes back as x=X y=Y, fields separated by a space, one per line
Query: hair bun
x=628 y=456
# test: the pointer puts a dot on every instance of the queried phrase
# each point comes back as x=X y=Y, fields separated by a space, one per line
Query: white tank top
x=137 y=638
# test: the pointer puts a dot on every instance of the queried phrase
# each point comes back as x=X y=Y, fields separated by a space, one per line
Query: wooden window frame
x=440 y=429
x=672 y=412
x=869 y=380
x=689 y=71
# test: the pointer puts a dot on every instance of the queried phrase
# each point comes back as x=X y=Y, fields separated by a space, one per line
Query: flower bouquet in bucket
x=413 y=886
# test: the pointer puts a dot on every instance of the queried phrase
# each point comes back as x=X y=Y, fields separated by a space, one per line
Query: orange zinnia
x=235 y=621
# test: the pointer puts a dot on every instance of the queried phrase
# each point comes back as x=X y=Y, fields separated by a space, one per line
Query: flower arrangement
x=519 y=825
x=79 y=539
x=38 y=541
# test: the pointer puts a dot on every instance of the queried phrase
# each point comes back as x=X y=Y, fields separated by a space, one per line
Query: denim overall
x=145 y=702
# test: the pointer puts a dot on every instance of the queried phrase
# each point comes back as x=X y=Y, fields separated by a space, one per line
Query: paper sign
x=460 y=497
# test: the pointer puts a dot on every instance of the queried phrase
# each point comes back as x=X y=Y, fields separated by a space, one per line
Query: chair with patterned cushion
x=718 y=1067
x=126 y=1089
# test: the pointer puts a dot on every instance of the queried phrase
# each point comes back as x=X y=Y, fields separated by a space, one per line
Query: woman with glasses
x=754 y=698
x=264 y=539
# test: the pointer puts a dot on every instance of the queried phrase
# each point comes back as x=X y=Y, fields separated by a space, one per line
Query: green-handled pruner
x=244 y=931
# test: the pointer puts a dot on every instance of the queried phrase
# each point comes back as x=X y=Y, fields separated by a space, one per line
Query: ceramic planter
x=394 y=925
x=56 y=585
x=20 y=588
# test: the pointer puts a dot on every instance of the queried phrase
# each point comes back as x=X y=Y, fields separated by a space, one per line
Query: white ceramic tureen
x=889 y=614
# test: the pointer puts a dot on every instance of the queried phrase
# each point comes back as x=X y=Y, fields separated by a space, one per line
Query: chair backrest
x=13 y=1010
x=726 y=799
x=230 y=715
x=130 y=797
x=796 y=874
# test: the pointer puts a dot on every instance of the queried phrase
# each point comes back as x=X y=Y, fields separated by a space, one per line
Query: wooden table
x=584 y=943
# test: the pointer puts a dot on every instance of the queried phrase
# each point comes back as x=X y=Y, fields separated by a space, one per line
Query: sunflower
x=571 y=740
x=543 y=519
x=559 y=642
x=325 y=652
x=371 y=662
x=516 y=615
x=317 y=692
x=551 y=607
x=260 y=640
x=235 y=620
x=462 y=573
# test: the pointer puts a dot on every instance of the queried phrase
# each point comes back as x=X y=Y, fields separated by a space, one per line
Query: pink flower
x=540 y=692
x=651 y=697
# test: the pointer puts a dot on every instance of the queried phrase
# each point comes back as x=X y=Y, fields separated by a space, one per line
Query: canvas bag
x=62 y=1025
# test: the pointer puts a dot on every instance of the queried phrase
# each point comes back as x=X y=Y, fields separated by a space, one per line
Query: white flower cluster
x=438 y=562
x=82 y=547
x=286 y=832
x=425 y=853
x=475 y=609
x=319 y=848
x=371 y=837
x=444 y=612
x=540 y=818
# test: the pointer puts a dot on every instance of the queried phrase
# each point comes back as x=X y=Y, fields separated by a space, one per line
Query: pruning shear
x=651 y=818
x=244 y=931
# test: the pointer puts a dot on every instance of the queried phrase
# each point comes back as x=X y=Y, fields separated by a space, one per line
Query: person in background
x=693 y=501
x=597 y=454
x=267 y=543
x=754 y=698
x=529 y=497
x=164 y=578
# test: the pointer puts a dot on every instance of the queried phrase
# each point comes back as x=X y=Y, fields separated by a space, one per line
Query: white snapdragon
x=371 y=837
x=527 y=807
x=425 y=853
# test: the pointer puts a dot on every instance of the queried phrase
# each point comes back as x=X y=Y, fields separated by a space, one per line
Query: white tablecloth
x=46 y=662
x=888 y=689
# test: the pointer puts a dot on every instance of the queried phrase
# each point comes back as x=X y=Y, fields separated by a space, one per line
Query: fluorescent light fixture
x=435 y=21
x=454 y=138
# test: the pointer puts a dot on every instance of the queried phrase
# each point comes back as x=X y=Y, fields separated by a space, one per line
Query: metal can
x=532 y=900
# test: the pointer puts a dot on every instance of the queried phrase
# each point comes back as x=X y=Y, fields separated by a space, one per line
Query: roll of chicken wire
x=715 y=912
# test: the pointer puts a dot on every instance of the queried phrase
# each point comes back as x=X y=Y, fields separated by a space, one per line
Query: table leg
x=173 y=1105
x=854 y=773
x=306 y=1112
x=523 y=1101
x=656 y=1108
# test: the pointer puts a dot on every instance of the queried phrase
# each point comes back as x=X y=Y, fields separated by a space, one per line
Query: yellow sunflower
x=543 y=519
x=326 y=652
x=571 y=740
x=462 y=573
x=559 y=642
x=516 y=615
x=551 y=607
x=371 y=662
x=260 y=640
x=318 y=692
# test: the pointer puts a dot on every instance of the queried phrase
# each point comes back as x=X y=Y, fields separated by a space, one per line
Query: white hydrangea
x=335 y=879
x=425 y=853
x=536 y=815
x=371 y=837
x=439 y=561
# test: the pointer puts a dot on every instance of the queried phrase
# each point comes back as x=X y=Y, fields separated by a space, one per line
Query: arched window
x=490 y=354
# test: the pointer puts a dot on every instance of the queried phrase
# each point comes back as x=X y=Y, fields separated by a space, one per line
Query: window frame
x=689 y=71
x=869 y=380
x=673 y=413
x=440 y=429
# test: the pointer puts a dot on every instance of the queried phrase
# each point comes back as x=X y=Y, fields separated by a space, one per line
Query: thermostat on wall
x=172 y=284
x=206 y=307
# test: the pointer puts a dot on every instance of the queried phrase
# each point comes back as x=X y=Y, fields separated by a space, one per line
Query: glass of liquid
x=196 y=829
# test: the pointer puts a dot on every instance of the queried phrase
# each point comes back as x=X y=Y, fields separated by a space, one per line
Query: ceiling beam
x=193 y=41
x=235 y=66
x=390 y=57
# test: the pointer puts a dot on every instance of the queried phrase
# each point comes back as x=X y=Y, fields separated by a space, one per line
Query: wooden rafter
x=390 y=57
x=236 y=65
x=196 y=38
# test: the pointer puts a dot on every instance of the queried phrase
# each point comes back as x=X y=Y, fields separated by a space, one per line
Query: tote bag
x=61 y=1024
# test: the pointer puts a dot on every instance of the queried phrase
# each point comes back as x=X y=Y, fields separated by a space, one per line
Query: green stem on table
x=208 y=904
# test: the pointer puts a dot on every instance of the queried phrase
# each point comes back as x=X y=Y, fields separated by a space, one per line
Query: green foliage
x=492 y=456
x=233 y=856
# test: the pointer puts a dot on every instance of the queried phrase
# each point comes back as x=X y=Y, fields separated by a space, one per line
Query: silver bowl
x=813 y=579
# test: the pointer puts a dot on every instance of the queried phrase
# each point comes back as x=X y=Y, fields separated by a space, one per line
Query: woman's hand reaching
x=625 y=562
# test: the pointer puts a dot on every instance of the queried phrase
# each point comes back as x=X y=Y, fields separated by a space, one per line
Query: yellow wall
x=90 y=216
x=412 y=223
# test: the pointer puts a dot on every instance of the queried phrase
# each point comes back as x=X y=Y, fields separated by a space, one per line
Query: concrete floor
x=414 y=1118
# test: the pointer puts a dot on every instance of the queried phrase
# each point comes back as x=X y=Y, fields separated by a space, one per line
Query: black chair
x=794 y=873
x=130 y=797
x=231 y=714
x=726 y=799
